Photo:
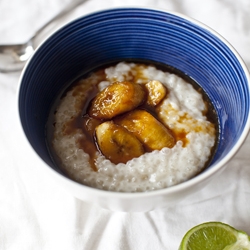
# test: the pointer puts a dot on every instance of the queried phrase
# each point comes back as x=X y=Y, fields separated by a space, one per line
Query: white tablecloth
x=36 y=213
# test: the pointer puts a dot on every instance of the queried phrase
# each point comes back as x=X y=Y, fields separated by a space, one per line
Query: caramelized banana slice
x=147 y=129
x=156 y=92
x=116 y=99
x=116 y=143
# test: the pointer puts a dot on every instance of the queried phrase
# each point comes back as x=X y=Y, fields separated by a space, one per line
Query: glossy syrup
x=88 y=124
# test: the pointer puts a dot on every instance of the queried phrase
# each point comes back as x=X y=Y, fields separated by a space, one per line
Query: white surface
x=36 y=213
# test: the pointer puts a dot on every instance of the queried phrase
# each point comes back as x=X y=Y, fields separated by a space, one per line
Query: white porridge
x=182 y=111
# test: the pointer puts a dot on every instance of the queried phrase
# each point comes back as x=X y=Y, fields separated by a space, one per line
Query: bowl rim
x=165 y=191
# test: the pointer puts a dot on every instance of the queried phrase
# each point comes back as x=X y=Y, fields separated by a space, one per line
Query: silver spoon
x=13 y=57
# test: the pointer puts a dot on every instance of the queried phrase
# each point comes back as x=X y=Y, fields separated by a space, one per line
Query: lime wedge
x=215 y=236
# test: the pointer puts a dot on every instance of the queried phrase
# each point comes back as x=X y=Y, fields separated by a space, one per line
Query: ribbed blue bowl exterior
x=134 y=33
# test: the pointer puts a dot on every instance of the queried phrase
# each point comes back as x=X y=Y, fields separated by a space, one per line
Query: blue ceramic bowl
x=146 y=34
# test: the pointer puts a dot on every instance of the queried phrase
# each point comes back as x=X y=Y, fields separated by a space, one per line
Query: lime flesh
x=215 y=236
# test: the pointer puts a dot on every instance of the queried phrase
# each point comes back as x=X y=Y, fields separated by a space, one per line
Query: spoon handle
x=14 y=56
x=72 y=5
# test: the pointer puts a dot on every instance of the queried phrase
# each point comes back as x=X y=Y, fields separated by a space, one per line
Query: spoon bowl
x=13 y=57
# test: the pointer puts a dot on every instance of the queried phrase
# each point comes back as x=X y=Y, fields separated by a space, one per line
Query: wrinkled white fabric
x=36 y=213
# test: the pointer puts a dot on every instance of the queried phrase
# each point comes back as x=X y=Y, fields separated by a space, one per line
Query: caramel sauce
x=88 y=124
x=181 y=135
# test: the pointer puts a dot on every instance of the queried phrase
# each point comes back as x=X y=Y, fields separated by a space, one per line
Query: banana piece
x=152 y=133
x=116 y=99
x=116 y=143
x=156 y=92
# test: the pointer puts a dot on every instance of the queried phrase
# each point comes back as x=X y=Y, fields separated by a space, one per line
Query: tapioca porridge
x=132 y=127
